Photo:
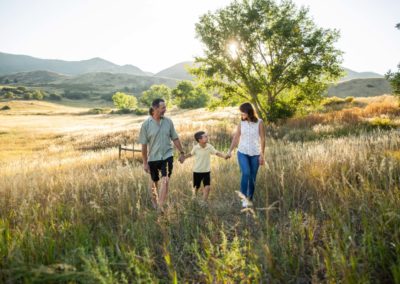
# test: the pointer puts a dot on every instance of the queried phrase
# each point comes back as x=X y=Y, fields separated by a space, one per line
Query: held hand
x=261 y=160
x=181 y=159
x=228 y=155
x=146 y=167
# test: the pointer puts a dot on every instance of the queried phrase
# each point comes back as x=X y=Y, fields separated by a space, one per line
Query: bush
x=141 y=111
x=124 y=101
x=385 y=123
x=55 y=97
x=349 y=99
x=99 y=111
x=6 y=107
x=332 y=101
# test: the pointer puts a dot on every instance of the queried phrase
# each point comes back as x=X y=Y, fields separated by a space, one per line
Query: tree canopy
x=271 y=54
x=394 y=77
x=124 y=101
x=156 y=92
x=186 y=95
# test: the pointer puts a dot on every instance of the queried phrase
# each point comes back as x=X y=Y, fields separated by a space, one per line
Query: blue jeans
x=248 y=167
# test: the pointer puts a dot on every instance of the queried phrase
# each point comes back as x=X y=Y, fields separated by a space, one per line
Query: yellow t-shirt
x=202 y=159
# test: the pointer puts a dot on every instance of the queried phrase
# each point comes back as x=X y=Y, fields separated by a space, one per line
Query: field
x=327 y=203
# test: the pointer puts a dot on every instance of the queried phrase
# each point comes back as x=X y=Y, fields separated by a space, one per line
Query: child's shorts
x=201 y=177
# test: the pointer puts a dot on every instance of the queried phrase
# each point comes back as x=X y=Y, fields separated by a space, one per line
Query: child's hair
x=198 y=135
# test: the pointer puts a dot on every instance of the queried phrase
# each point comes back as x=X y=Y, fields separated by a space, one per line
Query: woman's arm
x=235 y=141
x=262 y=142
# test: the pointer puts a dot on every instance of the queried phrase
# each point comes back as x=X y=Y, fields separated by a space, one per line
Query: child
x=202 y=166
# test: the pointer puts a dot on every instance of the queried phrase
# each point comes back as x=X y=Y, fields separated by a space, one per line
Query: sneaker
x=249 y=203
x=244 y=203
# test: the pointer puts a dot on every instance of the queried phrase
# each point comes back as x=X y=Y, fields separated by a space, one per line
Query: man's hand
x=181 y=158
x=146 y=167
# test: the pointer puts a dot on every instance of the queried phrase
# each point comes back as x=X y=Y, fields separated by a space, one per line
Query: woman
x=250 y=135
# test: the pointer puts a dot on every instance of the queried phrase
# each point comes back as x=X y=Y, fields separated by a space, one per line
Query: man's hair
x=156 y=103
x=198 y=135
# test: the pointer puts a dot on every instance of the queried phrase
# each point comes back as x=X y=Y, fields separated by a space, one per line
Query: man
x=155 y=136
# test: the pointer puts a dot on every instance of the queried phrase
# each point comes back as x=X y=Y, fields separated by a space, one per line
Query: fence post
x=119 y=151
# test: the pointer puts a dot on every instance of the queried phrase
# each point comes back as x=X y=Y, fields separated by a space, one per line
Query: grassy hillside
x=325 y=211
x=361 y=88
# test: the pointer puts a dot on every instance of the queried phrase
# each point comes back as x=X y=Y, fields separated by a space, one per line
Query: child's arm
x=221 y=155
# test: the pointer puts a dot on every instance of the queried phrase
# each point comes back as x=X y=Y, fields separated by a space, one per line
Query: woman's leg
x=244 y=165
x=254 y=165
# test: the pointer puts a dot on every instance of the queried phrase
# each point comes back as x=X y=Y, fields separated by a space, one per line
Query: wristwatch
x=182 y=153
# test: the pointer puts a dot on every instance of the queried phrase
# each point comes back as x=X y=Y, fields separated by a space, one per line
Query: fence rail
x=127 y=148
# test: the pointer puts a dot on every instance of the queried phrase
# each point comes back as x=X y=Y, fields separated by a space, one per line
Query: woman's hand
x=261 y=160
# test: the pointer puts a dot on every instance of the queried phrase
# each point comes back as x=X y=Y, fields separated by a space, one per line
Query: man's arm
x=178 y=145
x=144 y=157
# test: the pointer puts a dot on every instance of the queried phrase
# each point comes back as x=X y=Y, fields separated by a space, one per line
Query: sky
x=156 y=34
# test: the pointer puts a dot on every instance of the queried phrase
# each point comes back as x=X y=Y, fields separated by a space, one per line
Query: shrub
x=332 y=101
x=55 y=97
x=349 y=99
x=385 y=123
x=99 y=110
x=141 y=111
x=6 y=107
x=124 y=101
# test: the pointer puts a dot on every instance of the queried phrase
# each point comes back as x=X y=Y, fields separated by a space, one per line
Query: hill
x=361 y=88
x=351 y=74
x=103 y=80
x=11 y=63
x=177 y=71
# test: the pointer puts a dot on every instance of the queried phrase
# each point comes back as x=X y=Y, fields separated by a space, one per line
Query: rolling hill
x=11 y=63
x=360 y=88
x=177 y=71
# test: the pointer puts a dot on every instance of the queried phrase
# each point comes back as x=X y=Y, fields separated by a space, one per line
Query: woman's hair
x=249 y=110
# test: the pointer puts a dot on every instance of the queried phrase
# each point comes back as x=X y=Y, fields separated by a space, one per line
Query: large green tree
x=156 y=92
x=186 y=95
x=394 y=77
x=271 y=54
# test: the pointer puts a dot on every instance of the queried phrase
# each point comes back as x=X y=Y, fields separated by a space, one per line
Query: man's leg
x=166 y=171
x=163 y=191
x=153 y=189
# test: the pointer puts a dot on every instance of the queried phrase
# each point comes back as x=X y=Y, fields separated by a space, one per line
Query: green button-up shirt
x=158 y=138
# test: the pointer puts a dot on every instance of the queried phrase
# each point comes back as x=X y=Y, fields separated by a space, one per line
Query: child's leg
x=206 y=192
x=207 y=185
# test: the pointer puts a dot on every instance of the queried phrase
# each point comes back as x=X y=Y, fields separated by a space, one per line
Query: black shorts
x=165 y=166
x=199 y=177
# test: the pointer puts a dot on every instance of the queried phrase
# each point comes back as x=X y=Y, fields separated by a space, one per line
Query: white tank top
x=249 y=143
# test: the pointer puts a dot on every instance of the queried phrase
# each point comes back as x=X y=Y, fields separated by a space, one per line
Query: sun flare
x=233 y=48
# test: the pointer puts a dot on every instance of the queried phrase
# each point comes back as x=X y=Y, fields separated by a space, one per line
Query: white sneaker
x=244 y=203
x=249 y=203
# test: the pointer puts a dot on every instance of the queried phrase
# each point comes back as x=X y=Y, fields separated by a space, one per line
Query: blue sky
x=155 y=34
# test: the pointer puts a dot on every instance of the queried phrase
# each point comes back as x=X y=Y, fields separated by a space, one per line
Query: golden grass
x=70 y=213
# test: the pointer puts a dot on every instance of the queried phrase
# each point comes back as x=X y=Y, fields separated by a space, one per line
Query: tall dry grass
x=326 y=211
